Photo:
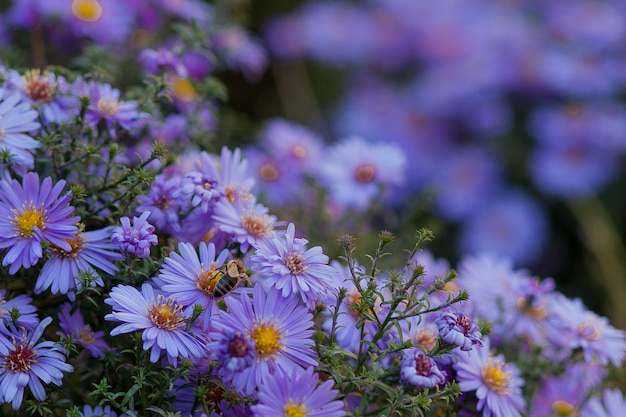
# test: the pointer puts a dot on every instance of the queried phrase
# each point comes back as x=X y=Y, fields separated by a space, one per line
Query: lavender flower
x=245 y=223
x=106 y=106
x=31 y=213
x=188 y=277
x=98 y=411
x=234 y=351
x=202 y=186
x=89 y=251
x=611 y=404
x=283 y=261
x=161 y=203
x=17 y=120
x=160 y=319
x=419 y=370
x=459 y=330
x=18 y=311
x=135 y=239
x=26 y=362
x=298 y=395
x=497 y=384
x=280 y=329
x=74 y=325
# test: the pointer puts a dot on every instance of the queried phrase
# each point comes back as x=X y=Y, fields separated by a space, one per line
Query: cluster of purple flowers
x=485 y=97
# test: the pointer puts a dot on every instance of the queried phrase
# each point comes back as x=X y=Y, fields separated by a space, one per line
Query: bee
x=227 y=277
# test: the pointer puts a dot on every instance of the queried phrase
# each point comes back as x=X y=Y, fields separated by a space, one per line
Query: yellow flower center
x=257 y=226
x=294 y=410
x=564 y=409
x=267 y=340
x=87 y=10
x=26 y=221
x=85 y=335
x=166 y=314
x=299 y=151
x=108 y=107
x=183 y=89
x=207 y=280
x=536 y=313
x=495 y=378
x=589 y=331
x=426 y=339
x=77 y=244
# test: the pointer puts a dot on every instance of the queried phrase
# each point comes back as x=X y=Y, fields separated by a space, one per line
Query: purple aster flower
x=17 y=120
x=105 y=105
x=234 y=351
x=419 y=370
x=189 y=277
x=74 y=325
x=202 y=186
x=246 y=223
x=283 y=261
x=160 y=319
x=197 y=64
x=459 y=330
x=355 y=171
x=497 y=384
x=89 y=252
x=233 y=170
x=298 y=395
x=31 y=213
x=611 y=404
x=581 y=328
x=18 y=311
x=27 y=362
x=163 y=59
x=161 y=203
x=280 y=329
x=135 y=239
x=560 y=395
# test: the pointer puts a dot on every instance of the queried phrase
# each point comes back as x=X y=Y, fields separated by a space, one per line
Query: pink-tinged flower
x=90 y=251
x=356 y=172
x=612 y=404
x=73 y=324
x=581 y=328
x=161 y=321
x=283 y=261
x=189 y=277
x=136 y=238
x=31 y=213
x=245 y=223
x=17 y=120
x=105 y=106
x=459 y=330
x=419 y=370
x=298 y=394
x=280 y=329
x=27 y=362
x=497 y=384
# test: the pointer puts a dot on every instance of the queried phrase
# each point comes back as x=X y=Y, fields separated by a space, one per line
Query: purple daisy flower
x=280 y=329
x=188 y=277
x=202 y=186
x=31 y=213
x=233 y=170
x=298 y=395
x=459 y=330
x=234 y=351
x=161 y=203
x=105 y=105
x=283 y=261
x=17 y=119
x=497 y=384
x=89 y=251
x=74 y=325
x=355 y=171
x=26 y=362
x=611 y=404
x=136 y=238
x=98 y=411
x=418 y=369
x=560 y=395
x=246 y=223
x=163 y=59
x=160 y=319
x=18 y=311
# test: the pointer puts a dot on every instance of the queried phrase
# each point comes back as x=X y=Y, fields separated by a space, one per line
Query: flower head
x=612 y=403
x=420 y=370
x=282 y=260
x=497 y=383
x=298 y=395
x=136 y=238
x=17 y=120
x=73 y=324
x=160 y=319
x=26 y=362
x=459 y=330
x=235 y=351
x=280 y=329
x=31 y=213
